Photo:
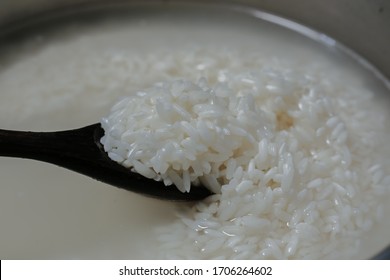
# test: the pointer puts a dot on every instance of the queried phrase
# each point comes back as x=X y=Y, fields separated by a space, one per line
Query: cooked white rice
x=294 y=154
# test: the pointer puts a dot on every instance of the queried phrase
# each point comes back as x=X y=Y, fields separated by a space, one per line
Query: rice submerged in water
x=295 y=156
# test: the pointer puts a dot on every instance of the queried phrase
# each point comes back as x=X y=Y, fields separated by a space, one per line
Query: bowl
x=66 y=222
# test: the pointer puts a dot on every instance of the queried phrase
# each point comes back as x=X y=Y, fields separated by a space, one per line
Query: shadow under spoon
x=80 y=150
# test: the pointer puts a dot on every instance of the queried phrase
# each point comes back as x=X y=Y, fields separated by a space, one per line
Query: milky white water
x=64 y=79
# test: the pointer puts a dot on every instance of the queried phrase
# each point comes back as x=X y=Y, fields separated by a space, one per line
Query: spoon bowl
x=80 y=150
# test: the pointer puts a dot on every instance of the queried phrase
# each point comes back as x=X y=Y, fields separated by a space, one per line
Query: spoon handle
x=75 y=149
x=78 y=150
x=54 y=147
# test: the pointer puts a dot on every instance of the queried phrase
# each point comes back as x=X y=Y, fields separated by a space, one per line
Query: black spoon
x=80 y=150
